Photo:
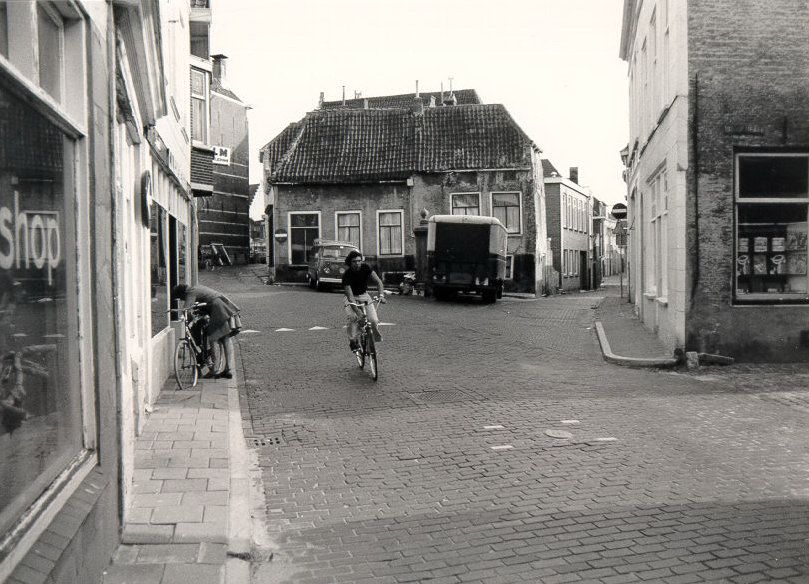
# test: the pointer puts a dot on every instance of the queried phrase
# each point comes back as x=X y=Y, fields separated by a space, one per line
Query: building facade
x=569 y=229
x=403 y=162
x=224 y=214
x=718 y=174
x=93 y=180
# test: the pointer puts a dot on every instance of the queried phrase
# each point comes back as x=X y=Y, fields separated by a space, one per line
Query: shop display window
x=40 y=392
x=771 y=234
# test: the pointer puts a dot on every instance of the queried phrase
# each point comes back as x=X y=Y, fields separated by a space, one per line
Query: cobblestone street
x=498 y=446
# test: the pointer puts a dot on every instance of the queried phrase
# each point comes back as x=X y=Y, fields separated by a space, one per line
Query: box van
x=465 y=253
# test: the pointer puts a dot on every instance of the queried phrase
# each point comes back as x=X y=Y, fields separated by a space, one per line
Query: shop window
x=159 y=269
x=506 y=207
x=40 y=392
x=391 y=241
x=348 y=227
x=304 y=228
x=771 y=228
x=465 y=204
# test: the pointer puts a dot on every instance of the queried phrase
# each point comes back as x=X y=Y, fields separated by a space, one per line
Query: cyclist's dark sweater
x=357 y=280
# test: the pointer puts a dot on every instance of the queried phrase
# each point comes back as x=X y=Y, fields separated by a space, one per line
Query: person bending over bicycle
x=355 y=285
x=225 y=322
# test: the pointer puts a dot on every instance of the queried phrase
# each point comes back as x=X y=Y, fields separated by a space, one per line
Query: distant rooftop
x=460 y=97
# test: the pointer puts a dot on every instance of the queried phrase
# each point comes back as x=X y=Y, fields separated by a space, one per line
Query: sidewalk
x=190 y=518
x=624 y=339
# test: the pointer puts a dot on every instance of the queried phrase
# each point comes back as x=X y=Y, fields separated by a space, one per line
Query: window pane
x=304 y=230
x=390 y=234
x=771 y=252
x=197 y=82
x=198 y=120
x=3 y=29
x=50 y=45
x=40 y=426
x=506 y=208
x=466 y=204
x=773 y=176
x=159 y=269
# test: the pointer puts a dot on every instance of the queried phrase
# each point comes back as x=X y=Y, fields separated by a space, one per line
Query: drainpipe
x=117 y=313
x=695 y=189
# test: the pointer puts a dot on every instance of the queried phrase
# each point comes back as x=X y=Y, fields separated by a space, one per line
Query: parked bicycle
x=367 y=349
x=193 y=355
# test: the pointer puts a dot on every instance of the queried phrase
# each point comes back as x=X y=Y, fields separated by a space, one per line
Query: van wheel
x=318 y=286
x=310 y=281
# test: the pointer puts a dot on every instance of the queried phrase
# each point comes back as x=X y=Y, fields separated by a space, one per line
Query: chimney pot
x=574 y=174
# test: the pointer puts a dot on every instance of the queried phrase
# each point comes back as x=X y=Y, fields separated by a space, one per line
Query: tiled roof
x=548 y=169
x=463 y=97
x=473 y=136
x=217 y=87
x=358 y=145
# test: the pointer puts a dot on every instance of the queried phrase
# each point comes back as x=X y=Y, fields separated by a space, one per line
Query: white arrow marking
x=318 y=328
x=284 y=330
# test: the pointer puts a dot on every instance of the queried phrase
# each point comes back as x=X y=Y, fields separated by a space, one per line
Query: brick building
x=718 y=174
x=569 y=223
x=365 y=174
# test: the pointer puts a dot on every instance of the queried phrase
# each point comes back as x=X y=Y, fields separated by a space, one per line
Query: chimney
x=344 y=94
x=365 y=103
x=417 y=88
x=322 y=99
x=219 y=68
x=574 y=174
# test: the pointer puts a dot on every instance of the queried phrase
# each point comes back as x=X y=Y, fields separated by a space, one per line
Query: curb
x=609 y=356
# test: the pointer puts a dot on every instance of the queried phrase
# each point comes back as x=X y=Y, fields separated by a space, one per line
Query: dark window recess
x=773 y=176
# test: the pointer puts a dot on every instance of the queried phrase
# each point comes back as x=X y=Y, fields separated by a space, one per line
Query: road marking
x=318 y=328
x=250 y=331
x=570 y=422
x=609 y=439
x=561 y=434
x=284 y=330
x=495 y=427
x=503 y=447
x=387 y=324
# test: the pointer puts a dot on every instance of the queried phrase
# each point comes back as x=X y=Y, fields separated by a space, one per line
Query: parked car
x=465 y=253
x=327 y=263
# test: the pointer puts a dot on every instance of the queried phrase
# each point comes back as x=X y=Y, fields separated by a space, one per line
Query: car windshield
x=337 y=251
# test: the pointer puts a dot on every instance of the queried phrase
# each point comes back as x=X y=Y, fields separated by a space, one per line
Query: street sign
x=618 y=211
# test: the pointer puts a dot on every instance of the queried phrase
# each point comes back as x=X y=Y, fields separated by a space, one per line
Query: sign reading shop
x=29 y=238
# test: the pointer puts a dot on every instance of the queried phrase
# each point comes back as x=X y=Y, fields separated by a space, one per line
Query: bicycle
x=192 y=353
x=367 y=348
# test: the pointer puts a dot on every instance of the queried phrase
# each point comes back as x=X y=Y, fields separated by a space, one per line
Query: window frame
x=379 y=253
x=290 y=228
x=452 y=203
x=766 y=298
x=205 y=98
x=337 y=215
x=519 y=210
x=509 y=267
x=68 y=115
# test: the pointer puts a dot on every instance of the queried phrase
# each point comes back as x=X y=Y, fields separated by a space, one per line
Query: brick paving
x=498 y=446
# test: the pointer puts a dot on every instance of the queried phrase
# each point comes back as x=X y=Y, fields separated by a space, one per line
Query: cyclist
x=355 y=285
x=223 y=326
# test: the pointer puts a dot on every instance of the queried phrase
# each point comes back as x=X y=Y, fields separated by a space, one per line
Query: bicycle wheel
x=373 y=366
x=185 y=365
x=360 y=354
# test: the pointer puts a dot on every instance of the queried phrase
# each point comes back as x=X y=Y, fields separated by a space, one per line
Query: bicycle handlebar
x=375 y=299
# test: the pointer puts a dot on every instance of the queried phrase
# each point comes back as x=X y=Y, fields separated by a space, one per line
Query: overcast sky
x=553 y=63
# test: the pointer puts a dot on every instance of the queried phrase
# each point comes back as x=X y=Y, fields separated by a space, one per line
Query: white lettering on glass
x=29 y=236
